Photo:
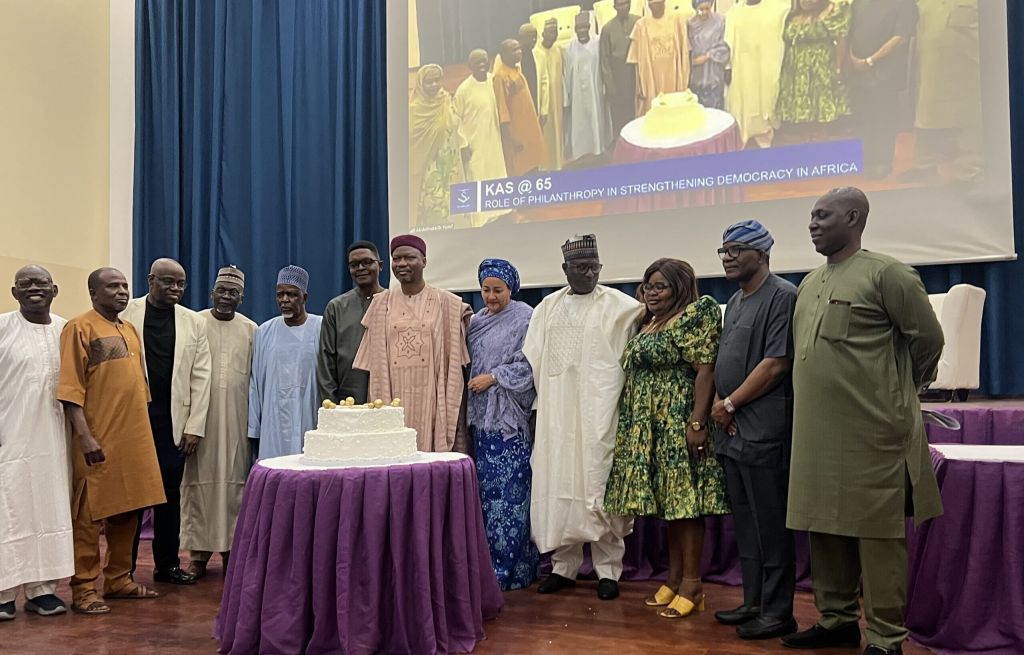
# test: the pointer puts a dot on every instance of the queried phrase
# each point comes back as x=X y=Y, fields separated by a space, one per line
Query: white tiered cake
x=359 y=434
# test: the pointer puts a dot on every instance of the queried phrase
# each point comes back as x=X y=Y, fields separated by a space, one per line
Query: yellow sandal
x=662 y=597
x=681 y=607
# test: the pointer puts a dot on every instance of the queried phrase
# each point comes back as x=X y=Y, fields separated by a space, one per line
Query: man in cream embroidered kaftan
x=574 y=344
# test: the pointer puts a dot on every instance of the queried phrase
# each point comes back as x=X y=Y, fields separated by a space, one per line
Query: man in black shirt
x=755 y=411
x=178 y=369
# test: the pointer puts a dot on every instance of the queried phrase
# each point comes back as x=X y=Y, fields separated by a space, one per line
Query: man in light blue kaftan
x=283 y=395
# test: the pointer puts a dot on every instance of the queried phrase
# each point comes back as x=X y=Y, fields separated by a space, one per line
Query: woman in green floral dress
x=810 y=87
x=664 y=463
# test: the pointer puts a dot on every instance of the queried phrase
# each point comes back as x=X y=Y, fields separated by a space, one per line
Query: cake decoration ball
x=350 y=401
x=378 y=403
x=397 y=402
x=327 y=404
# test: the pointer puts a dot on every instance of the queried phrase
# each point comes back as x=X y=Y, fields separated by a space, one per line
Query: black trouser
x=877 y=121
x=166 y=517
x=767 y=551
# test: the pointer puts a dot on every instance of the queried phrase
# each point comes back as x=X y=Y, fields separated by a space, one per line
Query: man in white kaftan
x=477 y=109
x=36 y=547
x=574 y=343
x=589 y=121
x=211 y=491
x=283 y=393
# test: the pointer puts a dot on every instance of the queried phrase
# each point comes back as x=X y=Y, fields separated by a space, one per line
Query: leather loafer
x=766 y=627
x=872 y=649
x=845 y=636
x=555 y=583
x=607 y=589
x=738 y=616
x=174 y=576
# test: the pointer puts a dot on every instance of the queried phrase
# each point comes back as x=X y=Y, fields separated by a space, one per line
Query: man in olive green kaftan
x=866 y=340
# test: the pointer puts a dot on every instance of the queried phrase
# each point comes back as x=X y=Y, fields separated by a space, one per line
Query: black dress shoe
x=738 y=616
x=174 y=576
x=766 y=627
x=607 y=589
x=845 y=636
x=555 y=583
x=878 y=650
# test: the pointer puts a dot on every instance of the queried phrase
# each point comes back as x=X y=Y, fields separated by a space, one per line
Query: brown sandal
x=92 y=607
x=132 y=591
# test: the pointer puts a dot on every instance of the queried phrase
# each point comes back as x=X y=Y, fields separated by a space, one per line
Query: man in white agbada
x=283 y=393
x=574 y=344
x=477 y=108
x=211 y=491
x=36 y=547
x=588 y=121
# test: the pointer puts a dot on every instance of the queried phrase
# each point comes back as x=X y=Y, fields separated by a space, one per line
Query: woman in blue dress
x=501 y=394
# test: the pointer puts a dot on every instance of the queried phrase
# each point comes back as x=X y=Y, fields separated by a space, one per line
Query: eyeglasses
x=732 y=252
x=234 y=294
x=28 y=283
x=362 y=263
x=656 y=288
x=172 y=283
x=583 y=269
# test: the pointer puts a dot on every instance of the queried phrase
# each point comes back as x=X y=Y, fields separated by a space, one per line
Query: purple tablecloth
x=646 y=555
x=385 y=559
x=966 y=586
x=1000 y=424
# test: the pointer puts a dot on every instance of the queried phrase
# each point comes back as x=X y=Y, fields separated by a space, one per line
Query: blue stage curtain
x=260 y=141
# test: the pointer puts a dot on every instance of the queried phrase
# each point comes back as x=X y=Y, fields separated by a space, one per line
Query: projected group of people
x=788 y=71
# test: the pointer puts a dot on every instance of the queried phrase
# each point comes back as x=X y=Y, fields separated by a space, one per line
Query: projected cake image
x=674 y=114
x=373 y=433
x=535 y=110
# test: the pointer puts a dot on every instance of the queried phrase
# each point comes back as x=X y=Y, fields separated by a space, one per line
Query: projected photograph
x=523 y=111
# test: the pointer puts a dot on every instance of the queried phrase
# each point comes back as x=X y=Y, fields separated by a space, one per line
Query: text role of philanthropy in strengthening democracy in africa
x=769 y=166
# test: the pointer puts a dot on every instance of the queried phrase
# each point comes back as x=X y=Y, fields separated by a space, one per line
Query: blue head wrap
x=295 y=276
x=500 y=269
x=750 y=232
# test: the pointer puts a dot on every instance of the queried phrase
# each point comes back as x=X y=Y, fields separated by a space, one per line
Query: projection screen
x=509 y=159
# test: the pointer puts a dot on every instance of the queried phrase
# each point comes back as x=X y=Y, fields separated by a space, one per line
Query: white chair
x=959 y=312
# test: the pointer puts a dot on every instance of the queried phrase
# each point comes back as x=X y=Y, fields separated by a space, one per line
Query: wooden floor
x=575 y=621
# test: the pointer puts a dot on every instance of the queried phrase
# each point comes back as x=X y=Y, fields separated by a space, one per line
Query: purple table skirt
x=359 y=561
x=1001 y=424
x=646 y=555
x=966 y=587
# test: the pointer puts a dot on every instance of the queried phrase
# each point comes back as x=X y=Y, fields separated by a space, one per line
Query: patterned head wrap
x=500 y=269
x=230 y=275
x=581 y=246
x=750 y=232
x=409 y=240
x=295 y=276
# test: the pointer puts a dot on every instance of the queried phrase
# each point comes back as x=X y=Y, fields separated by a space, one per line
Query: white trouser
x=32 y=590
x=606 y=555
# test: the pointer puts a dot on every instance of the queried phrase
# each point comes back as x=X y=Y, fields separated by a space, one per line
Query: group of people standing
x=662 y=408
x=802 y=65
x=798 y=411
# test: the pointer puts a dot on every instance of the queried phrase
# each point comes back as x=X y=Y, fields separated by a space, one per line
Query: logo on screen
x=463 y=198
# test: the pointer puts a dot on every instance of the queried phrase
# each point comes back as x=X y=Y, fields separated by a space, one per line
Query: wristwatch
x=696 y=426
x=729 y=407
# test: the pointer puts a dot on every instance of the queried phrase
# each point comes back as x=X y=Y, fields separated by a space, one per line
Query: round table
x=719 y=134
x=965 y=591
x=370 y=559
